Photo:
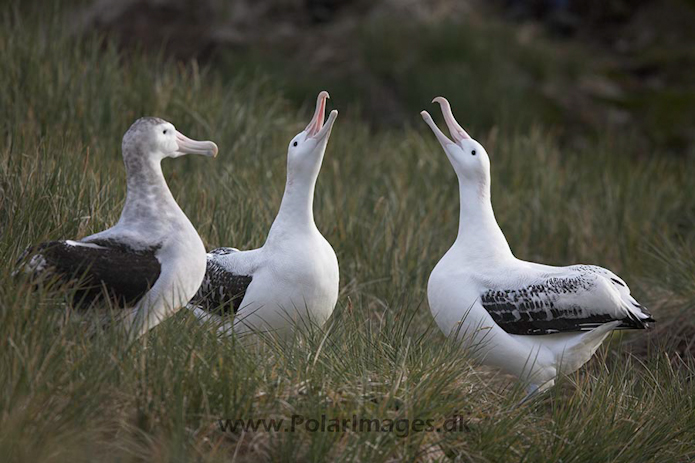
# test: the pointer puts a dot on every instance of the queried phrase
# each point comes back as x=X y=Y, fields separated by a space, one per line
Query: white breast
x=293 y=285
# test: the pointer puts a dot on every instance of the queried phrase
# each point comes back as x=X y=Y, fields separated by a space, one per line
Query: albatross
x=531 y=320
x=152 y=261
x=293 y=279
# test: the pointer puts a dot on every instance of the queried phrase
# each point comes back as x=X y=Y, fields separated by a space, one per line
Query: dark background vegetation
x=587 y=109
x=579 y=66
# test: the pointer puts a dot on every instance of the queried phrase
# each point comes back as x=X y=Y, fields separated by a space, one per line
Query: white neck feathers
x=479 y=235
x=296 y=214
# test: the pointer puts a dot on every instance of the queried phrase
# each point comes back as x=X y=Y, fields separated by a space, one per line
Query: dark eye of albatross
x=473 y=152
x=294 y=144
x=165 y=131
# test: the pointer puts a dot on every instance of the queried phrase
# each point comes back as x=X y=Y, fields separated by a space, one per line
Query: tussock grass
x=388 y=202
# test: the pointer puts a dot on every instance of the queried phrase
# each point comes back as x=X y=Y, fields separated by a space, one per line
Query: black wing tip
x=543 y=327
x=35 y=248
x=32 y=251
x=636 y=323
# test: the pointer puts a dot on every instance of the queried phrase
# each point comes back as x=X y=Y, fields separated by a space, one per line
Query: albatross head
x=467 y=156
x=157 y=138
x=306 y=149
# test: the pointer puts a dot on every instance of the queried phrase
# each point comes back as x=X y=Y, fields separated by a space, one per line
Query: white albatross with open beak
x=531 y=320
x=293 y=279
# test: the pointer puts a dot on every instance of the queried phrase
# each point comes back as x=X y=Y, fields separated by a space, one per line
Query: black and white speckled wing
x=222 y=290
x=582 y=299
x=96 y=268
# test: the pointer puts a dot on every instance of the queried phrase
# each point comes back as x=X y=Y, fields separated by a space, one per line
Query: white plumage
x=531 y=320
x=293 y=279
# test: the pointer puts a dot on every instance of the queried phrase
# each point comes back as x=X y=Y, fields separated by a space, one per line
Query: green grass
x=387 y=201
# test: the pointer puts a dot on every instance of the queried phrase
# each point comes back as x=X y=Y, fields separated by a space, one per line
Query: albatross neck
x=296 y=214
x=479 y=235
x=148 y=198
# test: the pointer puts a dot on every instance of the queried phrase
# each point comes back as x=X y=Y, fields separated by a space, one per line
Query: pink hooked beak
x=316 y=123
x=457 y=132
x=188 y=146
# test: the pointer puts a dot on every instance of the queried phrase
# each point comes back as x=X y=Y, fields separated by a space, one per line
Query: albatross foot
x=535 y=390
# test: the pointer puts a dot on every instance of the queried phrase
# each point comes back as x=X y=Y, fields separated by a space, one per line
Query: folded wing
x=580 y=301
x=223 y=289
x=98 y=268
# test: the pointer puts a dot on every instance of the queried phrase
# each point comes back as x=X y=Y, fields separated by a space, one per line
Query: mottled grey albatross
x=152 y=261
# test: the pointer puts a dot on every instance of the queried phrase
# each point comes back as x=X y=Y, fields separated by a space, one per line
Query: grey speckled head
x=145 y=144
x=141 y=138
x=143 y=124
x=154 y=138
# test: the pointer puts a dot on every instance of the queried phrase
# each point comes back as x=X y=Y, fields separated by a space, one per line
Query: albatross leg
x=535 y=390
x=224 y=326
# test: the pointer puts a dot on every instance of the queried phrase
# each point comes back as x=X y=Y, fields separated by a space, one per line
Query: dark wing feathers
x=223 y=251
x=549 y=307
x=221 y=291
x=123 y=273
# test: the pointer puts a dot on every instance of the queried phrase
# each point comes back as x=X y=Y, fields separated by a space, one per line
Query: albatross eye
x=165 y=131
x=473 y=152
x=294 y=144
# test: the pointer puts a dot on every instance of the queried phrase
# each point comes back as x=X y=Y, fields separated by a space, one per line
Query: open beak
x=443 y=139
x=457 y=132
x=188 y=146
x=316 y=128
x=326 y=129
